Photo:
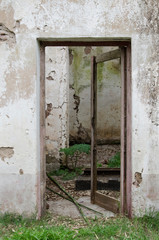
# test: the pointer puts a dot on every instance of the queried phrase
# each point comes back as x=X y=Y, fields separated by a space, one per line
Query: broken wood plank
x=108 y=56
x=108 y=203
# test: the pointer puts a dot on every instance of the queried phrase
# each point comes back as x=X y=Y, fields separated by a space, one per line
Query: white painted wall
x=19 y=87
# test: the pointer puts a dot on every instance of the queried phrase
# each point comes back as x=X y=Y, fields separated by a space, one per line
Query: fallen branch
x=81 y=205
x=73 y=200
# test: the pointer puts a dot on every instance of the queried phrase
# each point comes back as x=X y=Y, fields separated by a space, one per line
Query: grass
x=99 y=165
x=15 y=227
x=114 y=161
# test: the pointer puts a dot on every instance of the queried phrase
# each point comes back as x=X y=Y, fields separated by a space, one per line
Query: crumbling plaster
x=57 y=95
x=32 y=19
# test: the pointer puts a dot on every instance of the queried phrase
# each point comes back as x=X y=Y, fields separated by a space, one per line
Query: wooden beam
x=108 y=56
x=126 y=141
x=108 y=203
x=93 y=128
x=80 y=43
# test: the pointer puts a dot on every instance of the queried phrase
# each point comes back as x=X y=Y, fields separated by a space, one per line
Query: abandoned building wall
x=21 y=24
x=18 y=130
x=145 y=140
x=108 y=95
x=56 y=83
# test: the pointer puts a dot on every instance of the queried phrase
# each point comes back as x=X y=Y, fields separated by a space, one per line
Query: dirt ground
x=69 y=186
x=58 y=206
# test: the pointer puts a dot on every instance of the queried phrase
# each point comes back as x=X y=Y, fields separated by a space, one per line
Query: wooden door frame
x=126 y=169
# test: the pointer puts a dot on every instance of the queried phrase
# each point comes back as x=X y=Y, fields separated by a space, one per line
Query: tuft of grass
x=99 y=165
x=151 y=220
x=114 y=161
x=10 y=218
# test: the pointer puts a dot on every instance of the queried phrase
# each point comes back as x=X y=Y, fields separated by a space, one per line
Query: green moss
x=77 y=73
x=100 y=69
x=113 y=67
x=87 y=62
x=81 y=68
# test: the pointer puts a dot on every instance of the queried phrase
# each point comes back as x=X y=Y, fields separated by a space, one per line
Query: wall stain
x=6 y=34
x=70 y=57
x=48 y=110
x=149 y=11
x=87 y=50
x=21 y=172
x=76 y=102
x=6 y=152
x=138 y=179
x=51 y=75
x=148 y=85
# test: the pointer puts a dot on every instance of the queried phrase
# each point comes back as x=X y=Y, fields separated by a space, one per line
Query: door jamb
x=126 y=200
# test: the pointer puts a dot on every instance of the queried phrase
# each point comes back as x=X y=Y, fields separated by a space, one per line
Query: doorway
x=125 y=176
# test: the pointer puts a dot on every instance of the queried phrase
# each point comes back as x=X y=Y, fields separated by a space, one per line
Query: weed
x=74 y=152
x=114 y=161
x=81 y=148
x=99 y=165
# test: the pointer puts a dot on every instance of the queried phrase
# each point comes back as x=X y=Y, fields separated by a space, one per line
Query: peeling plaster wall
x=145 y=136
x=56 y=82
x=19 y=87
x=108 y=96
